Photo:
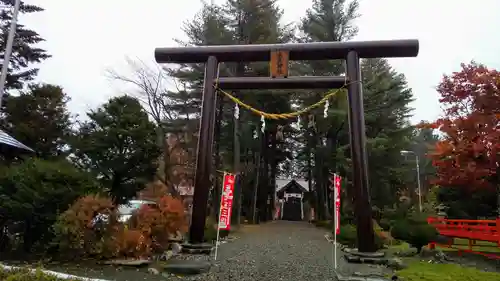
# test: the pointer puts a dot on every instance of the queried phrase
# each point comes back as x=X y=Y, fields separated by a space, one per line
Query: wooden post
x=359 y=156
x=204 y=154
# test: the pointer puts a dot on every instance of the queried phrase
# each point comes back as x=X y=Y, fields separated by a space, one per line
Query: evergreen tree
x=326 y=20
x=24 y=51
x=39 y=118
x=207 y=28
x=386 y=98
x=118 y=144
x=259 y=22
x=35 y=191
x=236 y=22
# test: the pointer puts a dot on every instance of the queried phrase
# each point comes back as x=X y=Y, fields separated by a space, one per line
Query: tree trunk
x=313 y=198
x=263 y=194
x=272 y=184
x=319 y=191
x=167 y=170
x=253 y=205
x=28 y=236
x=216 y=192
x=236 y=211
x=4 y=235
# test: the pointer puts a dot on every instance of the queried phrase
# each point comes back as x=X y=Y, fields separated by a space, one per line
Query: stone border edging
x=53 y=273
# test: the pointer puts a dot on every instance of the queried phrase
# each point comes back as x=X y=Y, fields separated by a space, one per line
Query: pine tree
x=24 y=51
x=259 y=22
x=207 y=28
x=386 y=97
x=236 y=22
x=326 y=20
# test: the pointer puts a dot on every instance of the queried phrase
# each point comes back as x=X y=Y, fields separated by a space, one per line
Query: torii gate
x=279 y=55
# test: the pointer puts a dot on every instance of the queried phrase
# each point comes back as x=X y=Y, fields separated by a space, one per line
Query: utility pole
x=8 y=48
x=417 y=165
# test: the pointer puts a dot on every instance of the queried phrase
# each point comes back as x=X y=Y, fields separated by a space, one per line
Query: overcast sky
x=88 y=37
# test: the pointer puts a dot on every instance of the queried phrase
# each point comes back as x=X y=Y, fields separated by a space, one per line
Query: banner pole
x=335 y=249
x=218 y=221
x=336 y=195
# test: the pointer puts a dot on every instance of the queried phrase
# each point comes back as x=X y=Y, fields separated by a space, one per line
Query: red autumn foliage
x=153 y=191
x=146 y=233
x=75 y=233
x=468 y=155
x=159 y=222
x=132 y=243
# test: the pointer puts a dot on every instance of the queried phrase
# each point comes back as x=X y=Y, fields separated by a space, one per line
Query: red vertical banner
x=336 y=196
x=226 y=201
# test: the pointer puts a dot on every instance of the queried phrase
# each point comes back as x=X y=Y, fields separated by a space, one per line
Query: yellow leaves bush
x=146 y=233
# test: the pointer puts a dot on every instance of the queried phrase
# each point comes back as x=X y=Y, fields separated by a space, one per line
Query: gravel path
x=274 y=251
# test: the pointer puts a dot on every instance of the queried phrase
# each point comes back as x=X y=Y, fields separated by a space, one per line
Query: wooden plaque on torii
x=278 y=64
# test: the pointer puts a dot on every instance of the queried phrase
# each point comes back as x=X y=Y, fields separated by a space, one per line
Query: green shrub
x=379 y=242
x=401 y=230
x=347 y=217
x=348 y=237
x=415 y=231
x=398 y=213
x=210 y=234
x=385 y=224
x=422 y=235
x=211 y=231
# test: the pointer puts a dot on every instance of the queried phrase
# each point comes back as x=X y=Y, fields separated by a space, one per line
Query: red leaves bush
x=160 y=222
x=146 y=233
x=75 y=234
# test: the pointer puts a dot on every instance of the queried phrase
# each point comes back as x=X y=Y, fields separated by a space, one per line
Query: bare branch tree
x=149 y=86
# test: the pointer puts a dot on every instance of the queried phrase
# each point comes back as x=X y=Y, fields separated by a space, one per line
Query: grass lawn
x=480 y=246
x=423 y=271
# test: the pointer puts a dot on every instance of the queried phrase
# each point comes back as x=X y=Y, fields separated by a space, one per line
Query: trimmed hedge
x=414 y=230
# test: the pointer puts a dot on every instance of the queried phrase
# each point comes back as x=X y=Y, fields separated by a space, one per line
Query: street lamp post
x=417 y=164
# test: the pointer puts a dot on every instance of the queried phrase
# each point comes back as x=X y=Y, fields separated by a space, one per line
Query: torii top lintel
x=297 y=51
